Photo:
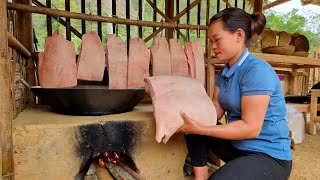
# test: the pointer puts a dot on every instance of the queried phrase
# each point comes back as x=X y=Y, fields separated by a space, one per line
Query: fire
x=110 y=157
x=101 y=162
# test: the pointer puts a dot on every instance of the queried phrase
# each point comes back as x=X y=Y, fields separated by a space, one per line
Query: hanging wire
x=117 y=24
x=58 y=19
x=90 y=16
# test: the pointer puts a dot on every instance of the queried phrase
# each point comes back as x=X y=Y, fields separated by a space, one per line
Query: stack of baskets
x=275 y=42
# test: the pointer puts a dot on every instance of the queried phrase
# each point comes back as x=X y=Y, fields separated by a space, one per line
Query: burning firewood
x=130 y=171
x=103 y=173
x=111 y=169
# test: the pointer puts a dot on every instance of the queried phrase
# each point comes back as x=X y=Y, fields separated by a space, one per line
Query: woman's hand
x=189 y=126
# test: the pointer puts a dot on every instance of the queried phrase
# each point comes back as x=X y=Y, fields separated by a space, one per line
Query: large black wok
x=89 y=99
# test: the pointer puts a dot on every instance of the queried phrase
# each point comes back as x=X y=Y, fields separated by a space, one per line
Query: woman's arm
x=215 y=99
x=253 y=109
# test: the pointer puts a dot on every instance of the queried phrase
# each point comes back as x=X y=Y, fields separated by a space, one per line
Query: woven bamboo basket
x=268 y=38
x=284 y=38
x=283 y=50
x=300 y=42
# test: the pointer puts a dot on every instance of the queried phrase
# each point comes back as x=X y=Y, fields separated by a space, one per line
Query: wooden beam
x=188 y=19
x=287 y=61
x=15 y=44
x=99 y=14
x=140 y=18
x=169 y=4
x=68 y=27
x=257 y=6
x=114 y=13
x=154 y=15
x=6 y=102
x=183 y=12
x=49 y=20
x=74 y=15
x=177 y=11
x=165 y=17
x=274 y=3
x=24 y=34
x=83 y=10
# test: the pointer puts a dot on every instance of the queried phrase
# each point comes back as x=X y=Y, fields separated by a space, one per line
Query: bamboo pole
x=15 y=44
x=6 y=106
x=88 y=17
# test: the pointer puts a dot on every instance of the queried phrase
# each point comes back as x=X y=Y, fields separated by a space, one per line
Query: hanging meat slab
x=174 y=94
x=57 y=64
x=190 y=59
x=160 y=56
x=117 y=62
x=179 y=64
x=198 y=53
x=138 y=64
x=91 y=60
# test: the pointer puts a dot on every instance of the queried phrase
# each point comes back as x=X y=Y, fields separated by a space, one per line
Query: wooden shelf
x=285 y=61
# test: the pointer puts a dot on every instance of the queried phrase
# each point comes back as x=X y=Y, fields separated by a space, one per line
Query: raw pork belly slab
x=174 y=94
x=160 y=56
x=91 y=60
x=198 y=53
x=179 y=64
x=190 y=59
x=139 y=61
x=117 y=62
x=57 y=64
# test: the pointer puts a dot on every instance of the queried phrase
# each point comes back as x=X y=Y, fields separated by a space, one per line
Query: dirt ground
x=306 y=159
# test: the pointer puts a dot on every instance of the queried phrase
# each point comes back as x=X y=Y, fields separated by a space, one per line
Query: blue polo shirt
x=253 y=76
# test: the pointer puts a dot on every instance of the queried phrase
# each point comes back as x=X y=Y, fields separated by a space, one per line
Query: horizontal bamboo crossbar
x=15 y=44
x=88 y=17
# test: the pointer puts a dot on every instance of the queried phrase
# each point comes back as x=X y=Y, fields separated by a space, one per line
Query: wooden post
x=257 y=6
x=6 y=107
x=169 y=12
x=68 y=22
x=23 y=32
x=49 y=19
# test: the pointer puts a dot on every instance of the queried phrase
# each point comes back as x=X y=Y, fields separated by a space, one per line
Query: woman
x=255 y=142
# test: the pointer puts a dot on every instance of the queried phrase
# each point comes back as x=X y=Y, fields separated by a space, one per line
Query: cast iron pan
x=89 y=99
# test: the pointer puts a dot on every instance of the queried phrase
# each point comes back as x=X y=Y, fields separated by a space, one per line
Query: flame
x=101 y=162
x=112 y=157
x=116 y=155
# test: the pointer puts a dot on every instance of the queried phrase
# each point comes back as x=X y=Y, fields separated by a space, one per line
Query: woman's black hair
x=234 y=18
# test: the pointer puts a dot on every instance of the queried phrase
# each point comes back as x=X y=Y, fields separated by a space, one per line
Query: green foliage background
x=290 y=22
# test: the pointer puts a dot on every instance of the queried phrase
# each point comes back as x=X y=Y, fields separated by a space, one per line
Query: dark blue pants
x=240 y=165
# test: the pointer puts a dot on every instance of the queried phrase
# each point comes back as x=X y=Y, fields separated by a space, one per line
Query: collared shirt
x=253 y=76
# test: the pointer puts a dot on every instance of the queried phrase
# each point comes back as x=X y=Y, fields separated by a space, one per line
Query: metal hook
x=116 y=27
x=90 y=16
